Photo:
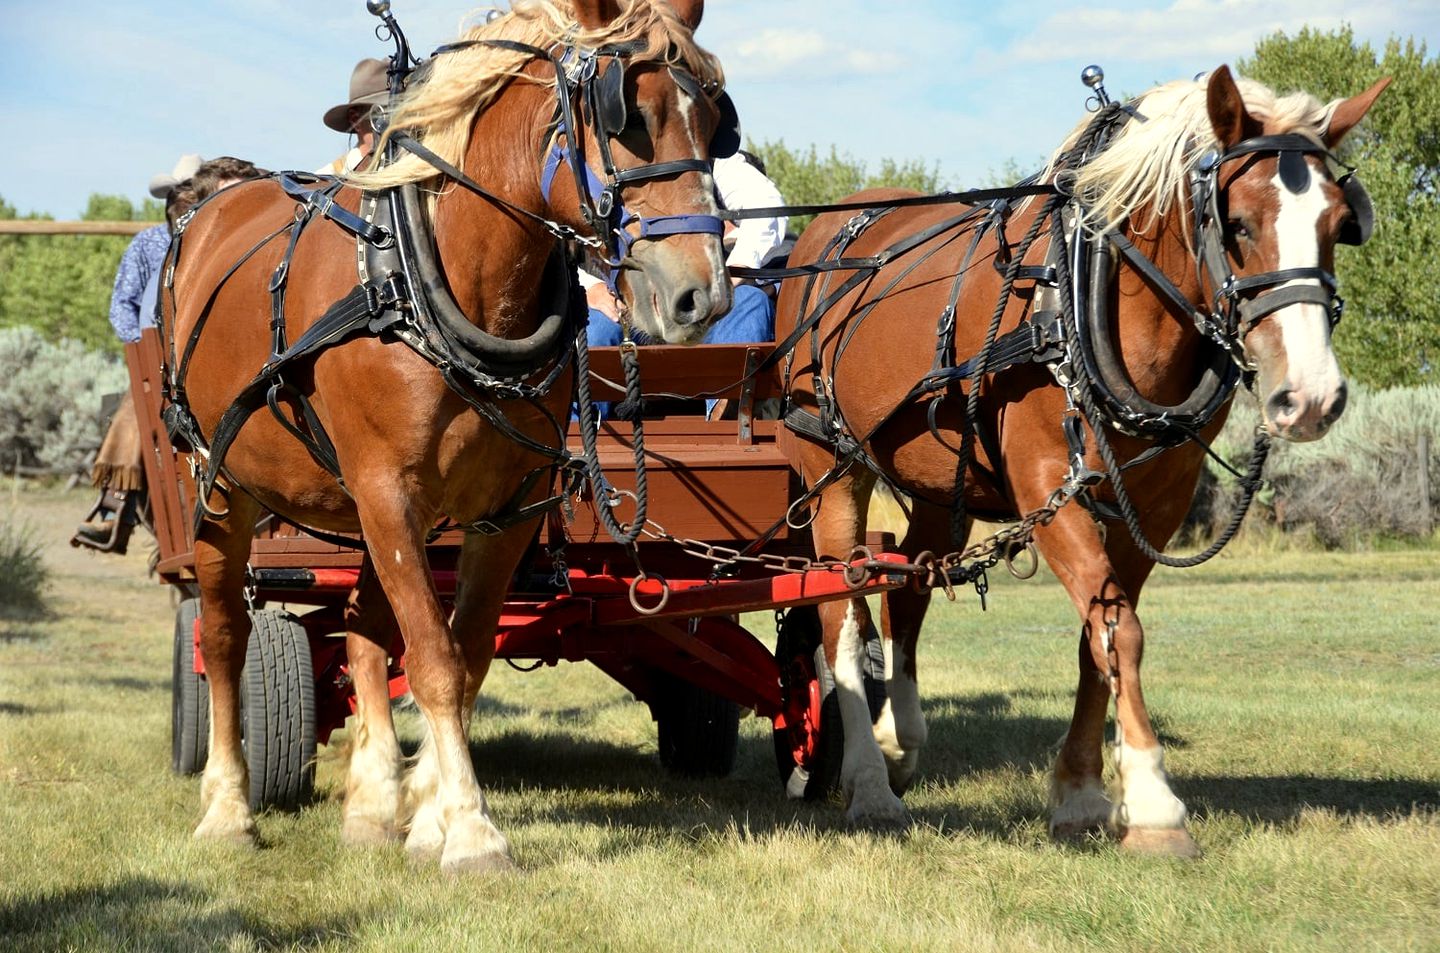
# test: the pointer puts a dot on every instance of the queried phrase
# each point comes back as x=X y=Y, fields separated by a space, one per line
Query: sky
x=101 y=96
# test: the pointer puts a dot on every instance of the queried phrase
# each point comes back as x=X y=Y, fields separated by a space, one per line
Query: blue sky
x=100 y=96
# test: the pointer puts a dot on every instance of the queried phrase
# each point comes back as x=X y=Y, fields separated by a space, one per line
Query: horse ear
x=1229 y=117
x=594 y=14
x=689 y=12
x=1348 y=112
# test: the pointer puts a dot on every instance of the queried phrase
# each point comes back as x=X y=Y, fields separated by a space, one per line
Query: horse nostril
x=691 y=305
x=1280 y=406
x=1337 y=405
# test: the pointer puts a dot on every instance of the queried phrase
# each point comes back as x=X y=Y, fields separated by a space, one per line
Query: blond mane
x=441 y=110
x=1149 y=162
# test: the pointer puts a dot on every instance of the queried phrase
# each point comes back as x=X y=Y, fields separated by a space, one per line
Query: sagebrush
x=50 y=401
x=1360 y=482
x=23 y=574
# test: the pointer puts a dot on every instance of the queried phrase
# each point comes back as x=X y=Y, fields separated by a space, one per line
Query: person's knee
x=751 y=318
x=601 y=330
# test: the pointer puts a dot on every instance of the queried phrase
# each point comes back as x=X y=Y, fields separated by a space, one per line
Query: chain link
x=928 y=570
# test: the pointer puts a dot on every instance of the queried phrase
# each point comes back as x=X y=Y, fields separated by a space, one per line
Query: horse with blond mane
x=1188 y=242
x=358 y=358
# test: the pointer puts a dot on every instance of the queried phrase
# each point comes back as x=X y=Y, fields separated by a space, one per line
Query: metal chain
x=930 y=571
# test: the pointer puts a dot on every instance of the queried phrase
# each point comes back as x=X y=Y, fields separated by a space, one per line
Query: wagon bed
x=711 y=482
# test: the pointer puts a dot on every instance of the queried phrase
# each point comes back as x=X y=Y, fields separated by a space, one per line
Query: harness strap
x=343 y=318
x=318 y=193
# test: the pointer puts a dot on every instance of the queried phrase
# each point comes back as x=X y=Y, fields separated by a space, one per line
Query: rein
x=1073 y=339
x=402 y=294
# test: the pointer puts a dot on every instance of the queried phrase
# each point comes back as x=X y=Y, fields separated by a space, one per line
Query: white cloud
x=1206 y=30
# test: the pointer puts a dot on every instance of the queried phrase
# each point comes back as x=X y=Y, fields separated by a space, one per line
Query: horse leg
x=900 y=730
x=372 y=789
x=222 y=549
x=436 y=664
x=1147 y=816
x=486 y=566
x=838 y=527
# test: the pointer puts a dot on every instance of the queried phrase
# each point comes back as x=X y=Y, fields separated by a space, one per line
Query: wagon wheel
x=809 y=737
x=699 y=731
x=189 y=697
x=277 y=700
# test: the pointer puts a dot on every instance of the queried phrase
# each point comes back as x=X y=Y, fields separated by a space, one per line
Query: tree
x=804 y=178
x=1391 y=331
x=60 y=284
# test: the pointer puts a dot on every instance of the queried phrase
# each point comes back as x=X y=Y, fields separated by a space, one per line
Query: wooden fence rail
x=39 y=227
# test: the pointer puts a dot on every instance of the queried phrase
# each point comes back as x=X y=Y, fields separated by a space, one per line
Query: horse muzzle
x=1299 y=416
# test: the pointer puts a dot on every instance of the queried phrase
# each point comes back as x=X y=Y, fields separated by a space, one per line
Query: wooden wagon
x=712 y=483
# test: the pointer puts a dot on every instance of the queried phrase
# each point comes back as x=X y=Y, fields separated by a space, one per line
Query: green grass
x=1297 y=693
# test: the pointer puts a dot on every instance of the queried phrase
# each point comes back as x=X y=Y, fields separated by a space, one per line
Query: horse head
x=1282 y=209
x=653 y=115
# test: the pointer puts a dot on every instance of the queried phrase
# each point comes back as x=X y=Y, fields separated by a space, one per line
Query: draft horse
x=1189 y=243
x=414 y=354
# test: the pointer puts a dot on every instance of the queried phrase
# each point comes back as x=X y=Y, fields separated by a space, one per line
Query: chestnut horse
x=407 y=440
x=1272 y=213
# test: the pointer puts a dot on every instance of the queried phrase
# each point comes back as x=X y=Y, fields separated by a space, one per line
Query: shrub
x=23 y=574
x=50 y=400
x=1360 y=482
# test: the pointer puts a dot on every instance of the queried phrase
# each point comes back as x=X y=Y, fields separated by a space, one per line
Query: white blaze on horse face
x=1313 y=372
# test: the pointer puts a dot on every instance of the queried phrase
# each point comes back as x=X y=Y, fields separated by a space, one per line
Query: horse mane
x=440 y=110
x=1148 y=163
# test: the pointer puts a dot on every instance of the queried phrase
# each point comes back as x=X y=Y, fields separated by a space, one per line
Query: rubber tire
x=277 y=701
x=699 y=731
x=189 y=697
x=800 y=638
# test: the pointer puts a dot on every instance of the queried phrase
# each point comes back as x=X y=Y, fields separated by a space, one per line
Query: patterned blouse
x=141 y=260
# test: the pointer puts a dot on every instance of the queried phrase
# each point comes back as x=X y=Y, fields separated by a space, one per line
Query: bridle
x=598 y=95
x=1234 y=310
x=1235 y=305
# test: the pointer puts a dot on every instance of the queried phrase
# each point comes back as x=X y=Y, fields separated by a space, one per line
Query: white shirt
x=743 y=186
x=753 y=241
x=345 y=163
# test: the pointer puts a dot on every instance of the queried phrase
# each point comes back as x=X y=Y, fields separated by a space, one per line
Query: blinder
x=1358 y=229
x=608 y=99
x=726 y=141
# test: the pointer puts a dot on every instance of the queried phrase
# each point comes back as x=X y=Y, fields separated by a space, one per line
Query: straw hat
x=161 y=184
x=369 y=86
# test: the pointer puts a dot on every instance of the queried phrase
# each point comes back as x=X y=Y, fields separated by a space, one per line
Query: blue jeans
x=750 y=320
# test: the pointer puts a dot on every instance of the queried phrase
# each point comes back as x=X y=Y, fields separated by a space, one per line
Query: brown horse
x=1273 y=213
x=410 y=448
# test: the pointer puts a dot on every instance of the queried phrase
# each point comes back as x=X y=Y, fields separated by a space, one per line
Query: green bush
x=23 y=573
x=50 y=401
x=1359 y=483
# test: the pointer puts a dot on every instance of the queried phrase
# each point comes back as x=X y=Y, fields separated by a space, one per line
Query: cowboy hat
x=161 y=184
x=369 y=86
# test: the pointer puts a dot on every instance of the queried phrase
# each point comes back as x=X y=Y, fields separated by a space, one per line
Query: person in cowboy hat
x=117 y=470
x=369 y=87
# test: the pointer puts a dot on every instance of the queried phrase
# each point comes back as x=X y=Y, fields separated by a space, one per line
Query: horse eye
x=1237 y=228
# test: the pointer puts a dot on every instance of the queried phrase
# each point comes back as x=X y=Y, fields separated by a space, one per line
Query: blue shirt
x=141 y=260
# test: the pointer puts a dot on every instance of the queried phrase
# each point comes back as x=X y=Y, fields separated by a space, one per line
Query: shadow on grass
x=150 y=914
x=15 y=631
x=972 y=737
x=1282 y=799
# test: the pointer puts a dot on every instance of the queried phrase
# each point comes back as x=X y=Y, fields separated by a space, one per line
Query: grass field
x=1297 y=693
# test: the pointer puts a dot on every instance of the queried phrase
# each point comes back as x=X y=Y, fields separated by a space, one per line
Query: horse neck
x=1160 y=348
x=493 y=258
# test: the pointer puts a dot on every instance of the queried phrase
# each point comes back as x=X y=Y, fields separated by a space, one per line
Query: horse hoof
x=367 y=832
x=234 y=835
x=488 y=862
x=880 y=819
x=424 y=850
x=1076 y=831
x=1159 y=842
